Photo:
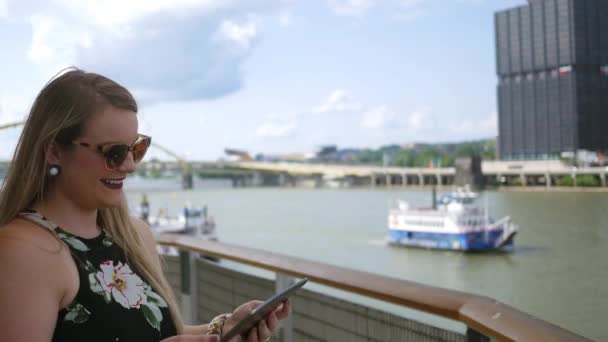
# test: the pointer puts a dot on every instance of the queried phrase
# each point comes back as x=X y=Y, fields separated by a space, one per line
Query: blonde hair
x=58 y=116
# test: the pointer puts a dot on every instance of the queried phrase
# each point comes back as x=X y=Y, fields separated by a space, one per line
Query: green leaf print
x=89 y=267
x=96 y=287
x=152 y=314
x=107 y=241
x=75 y=243
x=77 y=313
x=156 y=299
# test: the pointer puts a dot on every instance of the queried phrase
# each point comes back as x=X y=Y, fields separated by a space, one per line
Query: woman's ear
x=53 y=154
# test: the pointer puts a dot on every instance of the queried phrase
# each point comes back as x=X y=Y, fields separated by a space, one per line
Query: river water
x=558 y=270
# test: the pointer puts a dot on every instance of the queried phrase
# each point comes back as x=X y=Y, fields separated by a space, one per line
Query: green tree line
x=424 y=155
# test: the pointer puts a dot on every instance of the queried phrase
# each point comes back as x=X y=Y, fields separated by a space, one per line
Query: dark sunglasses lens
x=139 y=149
x=116 y=155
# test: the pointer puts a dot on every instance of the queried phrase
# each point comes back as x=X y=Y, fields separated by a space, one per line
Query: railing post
x=189 y=287
x=475 y=336
x=282 y=282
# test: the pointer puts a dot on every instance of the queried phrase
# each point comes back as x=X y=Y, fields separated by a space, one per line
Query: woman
x=75 y=265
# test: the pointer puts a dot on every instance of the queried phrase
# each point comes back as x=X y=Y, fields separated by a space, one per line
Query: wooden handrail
x=480 y=313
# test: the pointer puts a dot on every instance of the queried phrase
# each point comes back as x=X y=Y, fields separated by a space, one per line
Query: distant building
x=327 y=153
x=552 y=65
x=238 y=155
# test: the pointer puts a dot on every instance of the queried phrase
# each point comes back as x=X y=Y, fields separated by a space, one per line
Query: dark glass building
x=552 y=65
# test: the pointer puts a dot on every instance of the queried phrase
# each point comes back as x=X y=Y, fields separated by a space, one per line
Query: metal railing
x=484 y=317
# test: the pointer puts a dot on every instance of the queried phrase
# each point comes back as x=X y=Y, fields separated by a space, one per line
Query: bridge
x=533 y=172
x=545 y=173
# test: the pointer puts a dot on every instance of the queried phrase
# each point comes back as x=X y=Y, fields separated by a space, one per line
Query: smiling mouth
x=113 y=183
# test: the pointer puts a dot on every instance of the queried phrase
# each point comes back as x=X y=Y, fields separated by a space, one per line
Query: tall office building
x=552 y=65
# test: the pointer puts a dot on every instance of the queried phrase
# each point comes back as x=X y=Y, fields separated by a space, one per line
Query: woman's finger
x=253 y=335
x=263 y=331
x=273 y=322
x=283 y=312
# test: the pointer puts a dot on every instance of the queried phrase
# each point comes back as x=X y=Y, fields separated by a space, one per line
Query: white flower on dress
x=122 y=283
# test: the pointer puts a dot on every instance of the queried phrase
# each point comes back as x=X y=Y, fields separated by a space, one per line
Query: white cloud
x=241 y=34
x=161 y=49
x=351 y=7
x=53 y=42
x=276 y=129
x=338 y=101
x=378 y=117
x=418 y=119
x=117 y=15
x=12 y=109
x=3 y=9
x=382 y=117
x=483 y=127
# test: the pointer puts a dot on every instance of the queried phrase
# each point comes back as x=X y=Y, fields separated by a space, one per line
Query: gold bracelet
x=217 y=324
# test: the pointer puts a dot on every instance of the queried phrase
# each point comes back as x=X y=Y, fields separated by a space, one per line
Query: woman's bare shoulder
x=21 y=238
x=27 y=249
x=33 y=281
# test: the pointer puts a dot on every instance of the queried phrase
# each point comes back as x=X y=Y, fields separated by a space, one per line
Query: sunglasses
x=116 y=154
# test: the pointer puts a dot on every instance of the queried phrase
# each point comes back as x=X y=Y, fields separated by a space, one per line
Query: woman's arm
x=33 y=283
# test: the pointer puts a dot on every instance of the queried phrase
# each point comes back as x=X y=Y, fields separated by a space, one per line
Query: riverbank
x=451 y=187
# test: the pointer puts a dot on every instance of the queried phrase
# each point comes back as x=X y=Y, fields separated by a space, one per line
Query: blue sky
x=266 y=76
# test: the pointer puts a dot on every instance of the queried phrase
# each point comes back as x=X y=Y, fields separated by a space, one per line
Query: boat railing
x=484 y=317
x=503 y=221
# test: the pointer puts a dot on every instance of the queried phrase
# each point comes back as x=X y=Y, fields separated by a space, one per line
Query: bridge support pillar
x=574 y=179
x=548 y=180
x=282 y=179
x=404 y=179
x=256 y=179
x=420 y=179
x=603 y=179
x=373 y=180
x=439 y=180
x=524 y=180
x=318 y=180
x=388 y=180
x=187 y=180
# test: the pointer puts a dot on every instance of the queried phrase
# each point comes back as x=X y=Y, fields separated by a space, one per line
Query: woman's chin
x=111 y=202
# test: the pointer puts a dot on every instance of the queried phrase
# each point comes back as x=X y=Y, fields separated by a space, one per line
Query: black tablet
x=262 y=311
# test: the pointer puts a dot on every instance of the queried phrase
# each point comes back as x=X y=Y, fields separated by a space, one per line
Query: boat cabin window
x=424 y=223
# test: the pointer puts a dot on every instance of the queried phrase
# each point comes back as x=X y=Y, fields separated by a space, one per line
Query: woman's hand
x=265 y=329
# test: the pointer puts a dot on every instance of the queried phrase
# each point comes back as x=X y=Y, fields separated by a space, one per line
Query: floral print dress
x=114 y=303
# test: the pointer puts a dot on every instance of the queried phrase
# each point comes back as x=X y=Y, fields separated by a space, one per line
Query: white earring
x=54 y=170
